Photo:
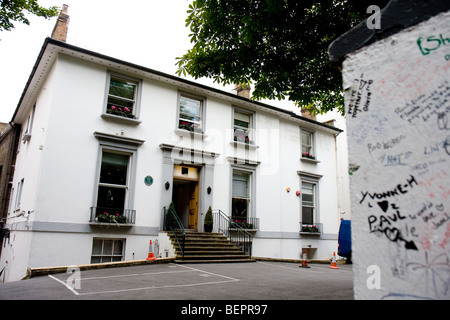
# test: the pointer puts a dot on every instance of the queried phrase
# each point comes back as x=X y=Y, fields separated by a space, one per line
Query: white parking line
x=65 y=284
x=136 y=274
x=214 y=274
x=189 y=269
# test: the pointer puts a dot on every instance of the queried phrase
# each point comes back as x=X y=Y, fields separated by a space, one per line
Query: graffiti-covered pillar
x=397 y=101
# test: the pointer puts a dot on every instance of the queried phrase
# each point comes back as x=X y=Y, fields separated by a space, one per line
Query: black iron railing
x=238 y=235
x=173 y=223
x=112 y=215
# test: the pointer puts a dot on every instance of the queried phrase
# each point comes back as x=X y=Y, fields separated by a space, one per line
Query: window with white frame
x=115 y=179
x=307 y=140
x=26 y=135
x=243 y=126
x=11 y=200
x=19 y=195
x=107 y=250
x=190 y=113
x=241 y=199
x=308 y=203
x=113 y=183
x=122 y=97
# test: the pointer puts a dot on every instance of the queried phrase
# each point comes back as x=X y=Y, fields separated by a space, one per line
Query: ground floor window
x=107 y=250
x=308 y=202
x=113 y=183
x=241 y=194
x=310 y=215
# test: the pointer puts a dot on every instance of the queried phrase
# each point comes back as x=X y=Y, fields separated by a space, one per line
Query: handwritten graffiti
x=384 y=224
x=375 y=123
x=446 y=145
x=438 y=269
x=360 y=97
x=386 y=144
x=399 y=189
x=387 y=223
x=425 y=167
x=446 y=239
x=431 y=214
x=395 y=159
x=426 y=106
x=435 y=271
x=432 y=43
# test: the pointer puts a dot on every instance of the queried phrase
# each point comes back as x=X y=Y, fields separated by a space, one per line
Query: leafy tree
x=280 y=47
x=15 y=10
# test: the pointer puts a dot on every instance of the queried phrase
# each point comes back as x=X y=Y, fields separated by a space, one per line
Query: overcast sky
x=149 y=33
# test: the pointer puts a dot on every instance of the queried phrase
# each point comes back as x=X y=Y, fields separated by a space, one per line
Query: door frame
x=202 y=159
x=194 y=194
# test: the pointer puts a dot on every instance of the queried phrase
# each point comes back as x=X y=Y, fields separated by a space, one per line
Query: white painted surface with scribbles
x=397 y=96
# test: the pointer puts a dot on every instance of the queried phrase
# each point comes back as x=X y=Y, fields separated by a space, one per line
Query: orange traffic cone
x=304 y=261
x=151 y=256
x=333 y=262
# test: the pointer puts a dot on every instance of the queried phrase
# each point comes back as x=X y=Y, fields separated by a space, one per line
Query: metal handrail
x=177 y=226
x=233 y=231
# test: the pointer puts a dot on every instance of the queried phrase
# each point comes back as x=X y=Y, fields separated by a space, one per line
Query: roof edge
x=50 y=41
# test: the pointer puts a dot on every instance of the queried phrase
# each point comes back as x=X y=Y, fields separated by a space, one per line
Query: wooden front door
x=193 y=207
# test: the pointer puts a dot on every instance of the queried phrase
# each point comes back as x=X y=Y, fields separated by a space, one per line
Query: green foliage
x=14 y=10
x=112 y=218
x=171 y=217
x=280 y=47
x=208 y=217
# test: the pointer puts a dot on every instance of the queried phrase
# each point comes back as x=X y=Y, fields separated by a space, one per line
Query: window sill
x=244 y=145
x=309 y=160
x=309 y=233
x=183 y=132
x=120 y=119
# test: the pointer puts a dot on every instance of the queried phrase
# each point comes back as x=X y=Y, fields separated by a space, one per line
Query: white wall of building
x=60 y=166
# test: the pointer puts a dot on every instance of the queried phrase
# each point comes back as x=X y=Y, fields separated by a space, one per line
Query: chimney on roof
x=62 y=25
x=242 y=91
x=307 y=114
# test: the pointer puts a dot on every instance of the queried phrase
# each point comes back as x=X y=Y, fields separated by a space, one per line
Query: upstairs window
x=243 y=125
x=190 y=115
x=122 y=95
x=19 y=195
x=307 y=138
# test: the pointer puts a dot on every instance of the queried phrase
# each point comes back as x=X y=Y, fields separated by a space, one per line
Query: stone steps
x=203 y=247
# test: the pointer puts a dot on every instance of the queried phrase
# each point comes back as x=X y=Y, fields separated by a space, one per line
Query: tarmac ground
x=261 y=280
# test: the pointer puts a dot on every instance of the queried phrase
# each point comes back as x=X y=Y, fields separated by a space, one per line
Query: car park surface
x=261 y=280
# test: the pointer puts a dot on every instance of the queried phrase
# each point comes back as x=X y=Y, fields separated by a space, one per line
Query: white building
x=104 y=135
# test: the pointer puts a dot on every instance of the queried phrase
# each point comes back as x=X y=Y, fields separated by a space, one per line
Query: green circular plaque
x=148 y=180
